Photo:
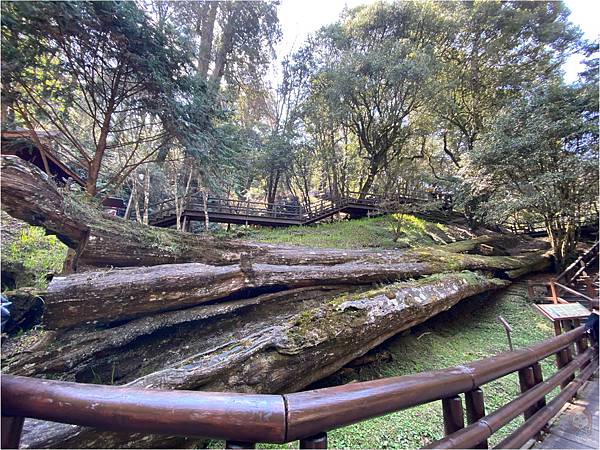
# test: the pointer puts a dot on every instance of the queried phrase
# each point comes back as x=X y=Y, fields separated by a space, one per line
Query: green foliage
x=540 y=157
x=408 y=229
x=494 y=49
x=109 y=79
x=38 y=253
x=369 y=72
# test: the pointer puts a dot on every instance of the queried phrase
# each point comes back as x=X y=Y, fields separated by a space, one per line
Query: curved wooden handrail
x=188 y=413
x=325 y=409
x=253 y=417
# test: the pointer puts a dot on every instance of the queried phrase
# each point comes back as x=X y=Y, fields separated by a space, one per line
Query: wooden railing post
x=568 y=326
x=538 y=378
x=581 y=345
x=454 y=419
x=553 y=292
x=317 y=441
x=475 y=410
x=563 y=358
x=526 y=382
x=11 y=431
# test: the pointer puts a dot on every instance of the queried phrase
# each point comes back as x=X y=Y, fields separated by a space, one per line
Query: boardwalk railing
x=570 y=274
x=569 y=282
x=244 y=419
x=324 y=207
x=539 y=227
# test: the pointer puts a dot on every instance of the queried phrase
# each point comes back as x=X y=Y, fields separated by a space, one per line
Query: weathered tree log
x=277 y=345
x=102 y=240
x=123 y=294
x=29 y=195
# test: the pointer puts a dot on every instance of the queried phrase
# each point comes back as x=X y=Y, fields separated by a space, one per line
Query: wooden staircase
x=226 y=210
x=577 y=283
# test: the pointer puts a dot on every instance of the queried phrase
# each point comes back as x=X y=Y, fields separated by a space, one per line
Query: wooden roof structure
x=21 y=143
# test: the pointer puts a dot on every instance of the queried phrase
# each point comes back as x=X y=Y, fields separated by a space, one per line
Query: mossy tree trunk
x=272 y=343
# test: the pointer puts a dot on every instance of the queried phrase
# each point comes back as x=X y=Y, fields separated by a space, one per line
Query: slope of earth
x=390 y=231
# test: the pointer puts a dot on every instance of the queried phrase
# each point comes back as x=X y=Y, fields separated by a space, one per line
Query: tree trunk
x=225 y=46
x=123 y=294
x=102 y=240
x=129 y=203
x=205 y=207
x=146 y=194
x=28 y=194
x=208 y=11
x=287 y=341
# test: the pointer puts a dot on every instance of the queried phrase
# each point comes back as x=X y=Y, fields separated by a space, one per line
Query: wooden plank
x=578 y=438
x=553 y=441
x=577 y=426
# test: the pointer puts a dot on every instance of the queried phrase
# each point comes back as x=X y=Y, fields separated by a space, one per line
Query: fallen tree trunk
x=99 y=239
x=279 y=344
x=102 y=240
x=123 y=294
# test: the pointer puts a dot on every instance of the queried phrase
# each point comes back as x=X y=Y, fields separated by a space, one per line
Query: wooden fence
x=326 y=206
x=566 y=283
x=244 y=419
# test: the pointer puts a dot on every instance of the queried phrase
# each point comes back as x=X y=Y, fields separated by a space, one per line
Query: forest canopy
x=155 y=100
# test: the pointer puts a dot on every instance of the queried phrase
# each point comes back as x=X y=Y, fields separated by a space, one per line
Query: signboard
x=564 y=311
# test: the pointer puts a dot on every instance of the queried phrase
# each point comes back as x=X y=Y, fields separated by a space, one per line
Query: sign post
x=562 y=314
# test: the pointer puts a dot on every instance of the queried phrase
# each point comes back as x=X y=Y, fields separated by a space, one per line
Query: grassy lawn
x=467 y=332
x=375 y=232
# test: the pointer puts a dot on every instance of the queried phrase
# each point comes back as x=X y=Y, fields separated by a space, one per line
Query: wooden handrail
x=187 y=413
x=587 y=256
x=483 y=428
x=325 y=409
x=573 y=291
x=267 y=418
x=531 y=427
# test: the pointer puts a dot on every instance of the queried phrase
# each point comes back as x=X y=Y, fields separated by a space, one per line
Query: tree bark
x=226 y=44
x=102 y=240
x=207 y=25
x=287 y=342
x=124 y=294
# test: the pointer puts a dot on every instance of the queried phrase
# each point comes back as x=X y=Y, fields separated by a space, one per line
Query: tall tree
x=106 y=77
x=372 y=68
x=541 y=157
x=491 y=51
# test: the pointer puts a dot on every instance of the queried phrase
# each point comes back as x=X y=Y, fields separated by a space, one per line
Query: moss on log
x=102 y=240
x=280 y=343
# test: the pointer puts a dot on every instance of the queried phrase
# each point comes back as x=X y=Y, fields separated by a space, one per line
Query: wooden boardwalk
x=577 y=425
x=226 y=210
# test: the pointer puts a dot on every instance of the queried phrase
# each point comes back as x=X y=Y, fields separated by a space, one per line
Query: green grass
x=467 y=332
x=375 y=232
x=35 y=254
